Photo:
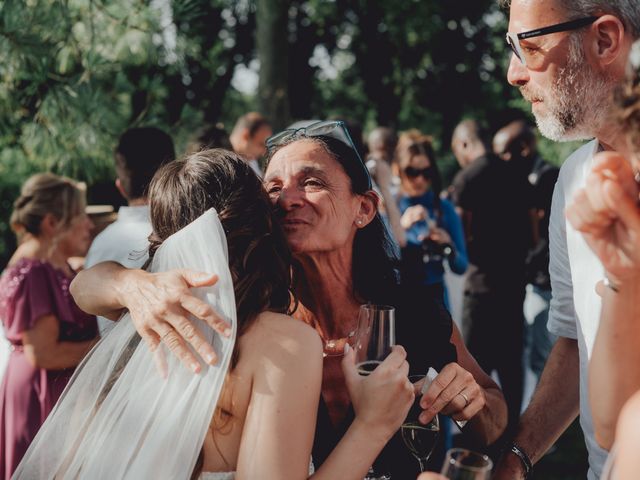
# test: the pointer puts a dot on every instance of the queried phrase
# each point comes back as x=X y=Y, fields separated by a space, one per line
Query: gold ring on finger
x=466 y=399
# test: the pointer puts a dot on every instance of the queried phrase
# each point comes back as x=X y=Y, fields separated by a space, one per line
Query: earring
x=359 y=222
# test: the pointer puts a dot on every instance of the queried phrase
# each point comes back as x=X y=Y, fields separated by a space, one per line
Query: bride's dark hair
x=259 y=258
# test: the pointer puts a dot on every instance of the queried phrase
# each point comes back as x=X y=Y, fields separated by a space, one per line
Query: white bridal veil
x=118 y=417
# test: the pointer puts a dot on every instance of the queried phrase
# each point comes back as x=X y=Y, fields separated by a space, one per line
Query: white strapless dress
x=217 y=476
x=231 y=475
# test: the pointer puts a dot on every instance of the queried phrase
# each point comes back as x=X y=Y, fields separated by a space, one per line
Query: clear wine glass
x=419 y=438
x=375 y=336
x=463 y=464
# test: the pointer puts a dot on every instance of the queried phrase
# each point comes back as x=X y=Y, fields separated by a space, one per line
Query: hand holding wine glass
x=375 y=336
x=376 y=376
x=382 y=399
x=453 y=392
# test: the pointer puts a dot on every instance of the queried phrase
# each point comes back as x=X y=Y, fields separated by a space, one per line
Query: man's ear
x=608 y=44
x=121 y=189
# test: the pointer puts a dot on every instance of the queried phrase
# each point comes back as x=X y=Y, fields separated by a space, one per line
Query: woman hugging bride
x=131 y=413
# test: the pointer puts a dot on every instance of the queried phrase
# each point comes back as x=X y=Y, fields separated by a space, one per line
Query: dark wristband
x=524 y=458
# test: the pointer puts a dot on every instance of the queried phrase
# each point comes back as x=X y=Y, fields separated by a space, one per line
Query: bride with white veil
x=131 y=413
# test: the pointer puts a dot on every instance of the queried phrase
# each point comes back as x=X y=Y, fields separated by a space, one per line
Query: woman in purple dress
x=48 y=333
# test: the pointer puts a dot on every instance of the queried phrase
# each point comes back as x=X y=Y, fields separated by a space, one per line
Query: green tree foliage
x=75 y=73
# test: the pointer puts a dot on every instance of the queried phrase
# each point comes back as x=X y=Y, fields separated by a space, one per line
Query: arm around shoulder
x=98 y=290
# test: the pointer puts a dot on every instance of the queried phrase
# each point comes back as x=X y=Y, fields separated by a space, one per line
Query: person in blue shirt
x=433 y=229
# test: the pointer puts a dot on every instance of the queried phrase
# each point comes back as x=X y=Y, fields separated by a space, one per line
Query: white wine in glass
x=419 y=438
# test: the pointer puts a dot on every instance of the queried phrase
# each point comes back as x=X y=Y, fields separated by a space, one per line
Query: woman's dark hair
x=374 y=257
x=412 y=144
x=259 y=258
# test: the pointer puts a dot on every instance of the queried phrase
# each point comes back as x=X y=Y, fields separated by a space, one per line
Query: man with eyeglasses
x=568 y=57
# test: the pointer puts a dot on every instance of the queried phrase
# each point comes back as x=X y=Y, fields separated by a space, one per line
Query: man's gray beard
x=579 y=103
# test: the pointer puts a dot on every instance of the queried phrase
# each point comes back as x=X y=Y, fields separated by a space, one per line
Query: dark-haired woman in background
x=49 y=334
x=322 y=193
x=433 y=229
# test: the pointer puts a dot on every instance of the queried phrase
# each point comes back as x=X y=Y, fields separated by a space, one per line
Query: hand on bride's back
x=160 y=305
x=382 y=399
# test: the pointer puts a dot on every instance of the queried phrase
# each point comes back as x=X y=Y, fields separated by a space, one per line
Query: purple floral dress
x=29 y=290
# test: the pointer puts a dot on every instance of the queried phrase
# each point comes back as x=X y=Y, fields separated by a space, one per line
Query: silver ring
x=466 y=399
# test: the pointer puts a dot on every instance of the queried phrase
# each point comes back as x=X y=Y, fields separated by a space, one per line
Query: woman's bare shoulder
x=275 y=329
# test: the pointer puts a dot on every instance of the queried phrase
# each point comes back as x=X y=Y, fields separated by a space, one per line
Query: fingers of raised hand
x=190 y=334
x=198 y=279
x=176 y=344
x=395 y=359
x=584 y=217
x=442 y=381
x=477 y=401
x=203 y=311
x=616 y=167
x=452 y=381
x=626 y=206
x=594 y=190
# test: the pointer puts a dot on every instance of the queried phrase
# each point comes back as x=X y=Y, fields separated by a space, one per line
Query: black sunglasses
x=412 y=172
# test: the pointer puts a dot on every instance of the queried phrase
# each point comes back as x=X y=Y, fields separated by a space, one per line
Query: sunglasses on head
x=412 y=172
x=335 y=129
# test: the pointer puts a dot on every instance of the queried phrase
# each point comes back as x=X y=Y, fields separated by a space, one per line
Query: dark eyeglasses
x=416 y=172
x=513 y=39
x=335 y=129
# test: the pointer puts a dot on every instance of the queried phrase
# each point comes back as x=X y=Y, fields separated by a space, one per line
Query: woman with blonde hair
x=48 y=333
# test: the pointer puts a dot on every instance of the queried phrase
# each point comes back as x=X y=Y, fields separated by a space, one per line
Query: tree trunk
x=272 y=49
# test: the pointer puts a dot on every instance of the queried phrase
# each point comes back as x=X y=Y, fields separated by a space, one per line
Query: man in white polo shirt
x=568 y=57
x=140 y=152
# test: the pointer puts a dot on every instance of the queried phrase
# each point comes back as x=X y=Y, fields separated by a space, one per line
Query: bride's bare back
x=264 y=424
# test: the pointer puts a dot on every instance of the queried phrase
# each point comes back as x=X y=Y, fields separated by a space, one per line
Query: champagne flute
x=375 y=336
x=463 y=464
x=419 y=438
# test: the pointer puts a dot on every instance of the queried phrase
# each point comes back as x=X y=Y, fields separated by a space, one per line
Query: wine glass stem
x=423 y=464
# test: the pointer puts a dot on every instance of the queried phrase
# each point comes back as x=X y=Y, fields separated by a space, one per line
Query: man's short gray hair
x=626 y=10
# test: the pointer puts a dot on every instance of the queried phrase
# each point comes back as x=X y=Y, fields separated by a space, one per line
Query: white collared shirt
x=124 y=241
x=575 y=270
